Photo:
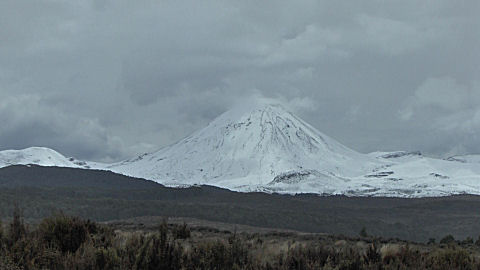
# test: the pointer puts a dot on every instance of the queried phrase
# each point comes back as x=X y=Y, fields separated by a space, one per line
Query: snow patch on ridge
x=35 y=155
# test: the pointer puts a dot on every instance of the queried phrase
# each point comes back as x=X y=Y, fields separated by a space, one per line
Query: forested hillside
x=104 y=196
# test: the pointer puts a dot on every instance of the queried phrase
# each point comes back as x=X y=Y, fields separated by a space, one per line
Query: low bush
x=65 y=242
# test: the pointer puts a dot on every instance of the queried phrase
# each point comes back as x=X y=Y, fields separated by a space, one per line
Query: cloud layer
x=106 y=79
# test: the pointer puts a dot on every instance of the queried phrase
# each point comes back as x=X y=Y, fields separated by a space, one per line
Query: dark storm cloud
x=105 y=80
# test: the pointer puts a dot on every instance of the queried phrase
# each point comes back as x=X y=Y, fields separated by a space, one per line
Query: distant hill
x=103 y=195
x=56 y=177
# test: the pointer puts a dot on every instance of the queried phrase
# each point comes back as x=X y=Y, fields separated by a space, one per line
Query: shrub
x=158 y=253
x=372 y=256
x=63 y=242
x=107 y=259
x=363 y=232
x=307 y=257
x=17 y=227
x=1 y=231
x=84 y=258
x=451 y=259
x=449 y=239
x=48 y=258
x=6 y=263
x=65 y=233
x=181 y=231
x=467 y=241
x=2 y=237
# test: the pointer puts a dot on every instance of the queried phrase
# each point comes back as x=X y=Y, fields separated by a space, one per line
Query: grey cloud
x=109 y=79
x=26 y=120
x=449 y=108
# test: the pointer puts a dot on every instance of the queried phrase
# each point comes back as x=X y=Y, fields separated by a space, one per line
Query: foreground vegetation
x=65 y=242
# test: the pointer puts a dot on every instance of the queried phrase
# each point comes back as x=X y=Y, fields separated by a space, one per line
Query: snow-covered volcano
x=252 y=148
x=264 y=147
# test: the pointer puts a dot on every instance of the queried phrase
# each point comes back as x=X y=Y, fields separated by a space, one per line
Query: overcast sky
x=108 y=79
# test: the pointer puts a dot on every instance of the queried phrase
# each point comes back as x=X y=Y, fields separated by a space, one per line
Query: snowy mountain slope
x=43 y=156
x=264 y=147
x=410 y=174
x=250 y=149
x=35 y=155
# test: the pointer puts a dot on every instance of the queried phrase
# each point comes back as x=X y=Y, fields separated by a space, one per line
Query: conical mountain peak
x=251 y=146
x=255 y=108
x=262 y=146
x=275 y=121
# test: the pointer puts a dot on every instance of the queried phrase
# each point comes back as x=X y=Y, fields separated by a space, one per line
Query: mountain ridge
x=266 y=148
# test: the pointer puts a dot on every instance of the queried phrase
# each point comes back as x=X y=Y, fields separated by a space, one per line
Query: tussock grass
x=65 y=242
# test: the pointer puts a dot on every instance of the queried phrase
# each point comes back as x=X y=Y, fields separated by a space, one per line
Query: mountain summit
x=248 y=148
x=264 y=147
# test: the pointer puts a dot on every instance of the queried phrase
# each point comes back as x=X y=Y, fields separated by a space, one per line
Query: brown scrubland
x=66 y=242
